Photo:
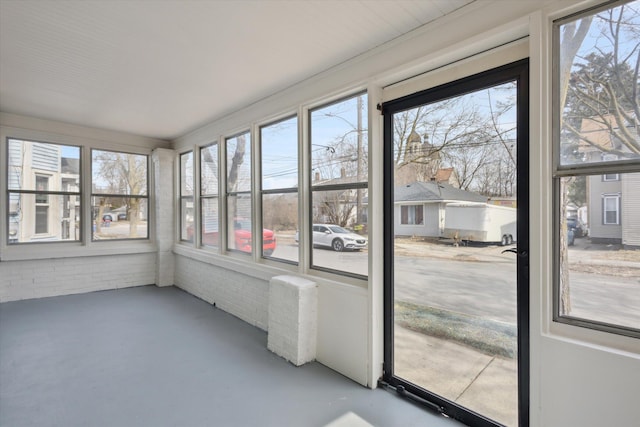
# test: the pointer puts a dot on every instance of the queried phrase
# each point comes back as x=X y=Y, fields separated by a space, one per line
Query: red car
x=242 y=238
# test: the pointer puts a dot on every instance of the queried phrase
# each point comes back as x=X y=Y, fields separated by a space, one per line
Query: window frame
x=229 y=234
x=145 y=196
x=411 y=214
x=318 y=188
x=42 y=205
x=280 y=190
x=185 y=198
x=609 y=165
x=225 y=254
x=209 y=196
x=7 y=243
x=616 y=199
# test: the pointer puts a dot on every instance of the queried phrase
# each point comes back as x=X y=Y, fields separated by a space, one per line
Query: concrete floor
x=159 y=357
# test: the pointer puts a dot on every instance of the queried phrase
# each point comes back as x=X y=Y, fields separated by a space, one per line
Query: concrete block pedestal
x=293 y=318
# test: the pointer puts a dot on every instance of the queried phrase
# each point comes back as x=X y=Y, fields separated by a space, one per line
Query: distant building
x=42 y=216
x=419 y=207
x=613 y=200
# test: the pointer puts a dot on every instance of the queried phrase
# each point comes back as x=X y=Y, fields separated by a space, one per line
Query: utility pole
x=359 y=161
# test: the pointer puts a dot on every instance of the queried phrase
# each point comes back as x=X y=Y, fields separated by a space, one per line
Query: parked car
x=336 y=238
x=242 y=236
x=242 y=229
x=577 y=227
x=122 y=217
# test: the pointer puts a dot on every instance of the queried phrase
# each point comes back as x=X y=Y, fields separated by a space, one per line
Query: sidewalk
x=485 y=384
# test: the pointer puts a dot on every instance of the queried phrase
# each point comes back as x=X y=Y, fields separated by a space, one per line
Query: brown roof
x=594 y=130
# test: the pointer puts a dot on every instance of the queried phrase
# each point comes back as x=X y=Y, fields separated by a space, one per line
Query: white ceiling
x=163 y=68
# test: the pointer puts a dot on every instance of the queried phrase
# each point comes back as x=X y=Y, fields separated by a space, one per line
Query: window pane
x=239 y=222
x=280 y=222
x=600 y=249
x=56 y=220
x=239 y=163
x=210 y=222
x=611 y=206
x=118 y=173
x=42 y=219
x=119 y=218
x=279 y=143
x=56 y=163
x=599 y=85
x=42 y=184
x=339 y=142
x=186 y=174
x=339 y=238
x=209 y=170
x=187 y=229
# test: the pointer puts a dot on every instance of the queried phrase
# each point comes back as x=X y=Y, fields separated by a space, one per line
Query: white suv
x=337 y=238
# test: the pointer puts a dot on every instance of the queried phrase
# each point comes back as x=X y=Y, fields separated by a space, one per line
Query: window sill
x=35 y=251
x=266 y=270
x=595 y=339
x=230 y=262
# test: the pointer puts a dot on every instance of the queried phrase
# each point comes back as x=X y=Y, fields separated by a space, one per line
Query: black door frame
x=518 y=71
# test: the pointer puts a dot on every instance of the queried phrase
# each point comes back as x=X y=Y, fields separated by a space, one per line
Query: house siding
x=599 y=231
x=430 y=226
x=45 y=157
x=630 y=207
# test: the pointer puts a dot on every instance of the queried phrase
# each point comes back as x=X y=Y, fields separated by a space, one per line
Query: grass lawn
x=488 y=336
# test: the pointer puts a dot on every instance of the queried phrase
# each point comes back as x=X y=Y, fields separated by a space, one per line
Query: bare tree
x=335 y=207
x=604 y=87
x=235 y=182
x=600 y=90
x=460 y=133
x=340 y=165
x=573 y=34
x=121 y=174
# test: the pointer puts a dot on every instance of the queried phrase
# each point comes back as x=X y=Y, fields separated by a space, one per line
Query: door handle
x=523 y=254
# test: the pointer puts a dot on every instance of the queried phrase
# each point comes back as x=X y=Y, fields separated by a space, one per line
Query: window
x=186 y=197
x=209 y=215
x=611 y=208
x=239 y=209
x=411 y=215
x=597 y=168
x=279 y=185
x=220 y=211
x=339 y=177
x=42 y=204
x=610 y=176
x=43 y=192
x=119 y=195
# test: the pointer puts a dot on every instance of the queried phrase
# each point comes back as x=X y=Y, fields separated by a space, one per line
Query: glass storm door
x=456 y=251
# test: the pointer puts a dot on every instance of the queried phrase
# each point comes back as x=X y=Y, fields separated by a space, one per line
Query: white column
x=162 y=159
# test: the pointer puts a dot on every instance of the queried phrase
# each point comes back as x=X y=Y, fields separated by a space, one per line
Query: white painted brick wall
x=63 y=276
x=243 y=296
x=293 y=318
